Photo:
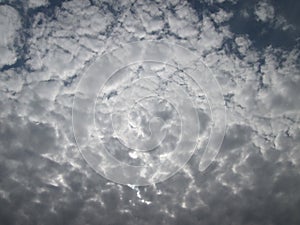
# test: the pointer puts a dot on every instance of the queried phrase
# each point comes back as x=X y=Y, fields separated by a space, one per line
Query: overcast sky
x=252 y=48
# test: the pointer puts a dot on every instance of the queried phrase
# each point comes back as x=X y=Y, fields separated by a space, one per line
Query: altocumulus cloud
x=46 y=47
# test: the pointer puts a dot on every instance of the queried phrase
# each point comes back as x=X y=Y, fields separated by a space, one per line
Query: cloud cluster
x=44 y=180
x=9 y=25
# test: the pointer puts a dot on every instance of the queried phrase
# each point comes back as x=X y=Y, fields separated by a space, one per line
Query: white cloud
x=253 y=174
x=264 y=11
x=37 y=3
x=9 y=25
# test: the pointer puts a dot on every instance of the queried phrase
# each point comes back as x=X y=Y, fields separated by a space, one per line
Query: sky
x=244 y=57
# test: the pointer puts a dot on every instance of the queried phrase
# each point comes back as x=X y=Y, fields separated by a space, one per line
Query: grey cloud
x=236 y=136
x=255 y=178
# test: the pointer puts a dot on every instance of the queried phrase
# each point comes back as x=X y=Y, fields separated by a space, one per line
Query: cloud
x=254 y=179
x=264 y=11
x=9 y=25
x=37 y=3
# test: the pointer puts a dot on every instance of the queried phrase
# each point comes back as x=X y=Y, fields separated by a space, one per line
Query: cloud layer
x=46 y=47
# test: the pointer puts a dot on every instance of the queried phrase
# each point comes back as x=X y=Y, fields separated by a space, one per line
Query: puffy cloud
x=264 y=11
x=255 y=178
x=9 y=26
x=37 y=3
